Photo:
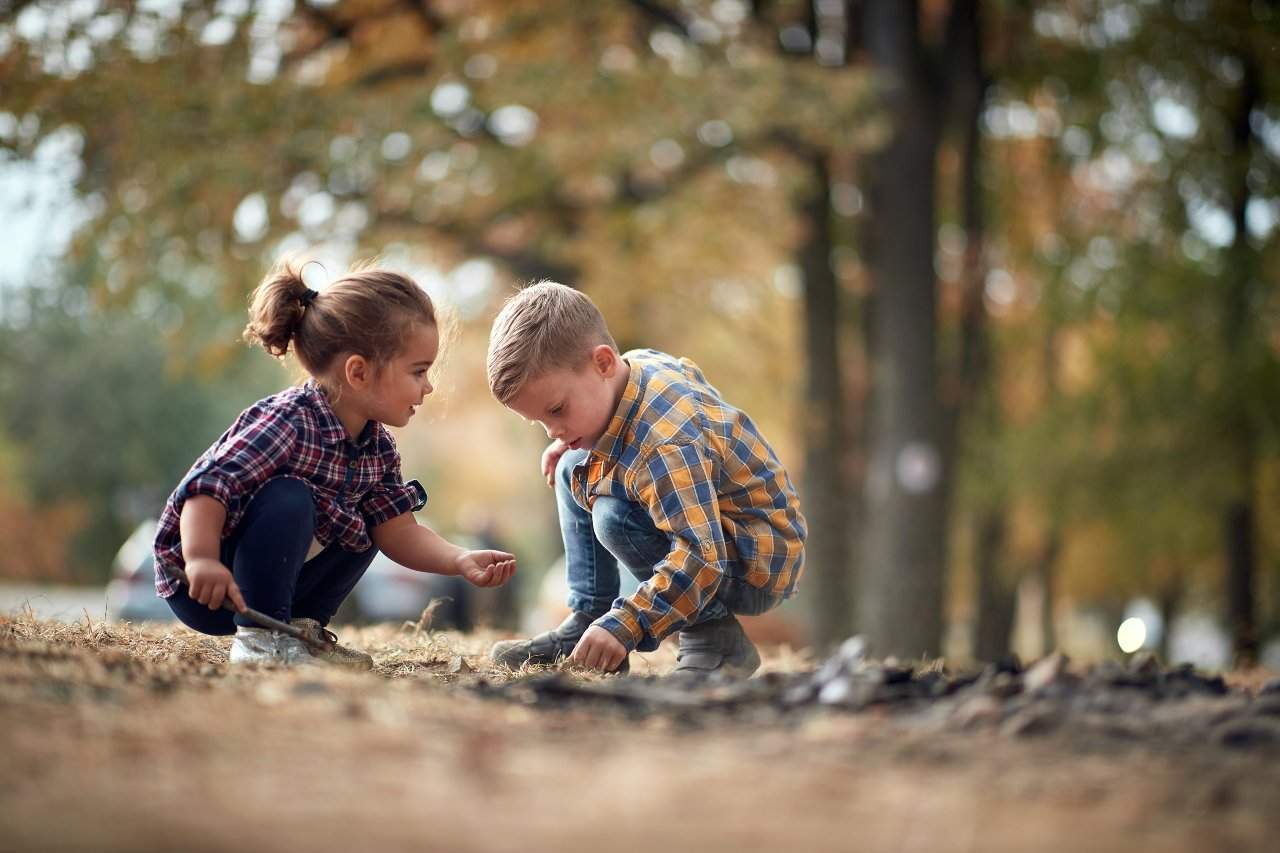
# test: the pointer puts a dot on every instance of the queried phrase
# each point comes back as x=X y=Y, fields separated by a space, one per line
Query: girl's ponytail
x=368 y=312
x=277 y=308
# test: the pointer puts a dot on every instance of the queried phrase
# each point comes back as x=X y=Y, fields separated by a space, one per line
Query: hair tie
x=309 y=295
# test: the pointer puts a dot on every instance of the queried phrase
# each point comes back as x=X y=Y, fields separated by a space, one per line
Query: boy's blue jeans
x=267 y=555
x=617 y=532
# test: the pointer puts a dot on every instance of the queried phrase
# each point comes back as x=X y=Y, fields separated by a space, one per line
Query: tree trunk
x=1170 y=598
x=1047 y=572
x=829 y=575
x=1240 y=331
x=900 y=599
x=1239 y=538
x=996 y=597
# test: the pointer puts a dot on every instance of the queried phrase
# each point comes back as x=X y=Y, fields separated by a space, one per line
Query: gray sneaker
x=335 y=654
x=270 y=648
x=716 y=646
x=549 y=647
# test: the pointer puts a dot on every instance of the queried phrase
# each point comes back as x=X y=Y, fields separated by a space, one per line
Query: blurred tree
x=504 y=131
x=929 y=56
x=99 y=431
x=1147 y=250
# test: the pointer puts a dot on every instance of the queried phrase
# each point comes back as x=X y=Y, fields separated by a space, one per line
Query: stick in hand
x=265 y=621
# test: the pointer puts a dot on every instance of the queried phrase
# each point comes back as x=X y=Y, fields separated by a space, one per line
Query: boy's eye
x=557 y=410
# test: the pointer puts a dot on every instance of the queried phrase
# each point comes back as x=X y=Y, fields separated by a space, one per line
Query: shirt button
x=352 y=464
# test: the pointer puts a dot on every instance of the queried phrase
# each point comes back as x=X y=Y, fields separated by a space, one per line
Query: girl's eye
x=557 y=410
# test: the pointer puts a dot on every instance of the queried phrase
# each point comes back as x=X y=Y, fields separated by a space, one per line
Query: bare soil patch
x=122 y=737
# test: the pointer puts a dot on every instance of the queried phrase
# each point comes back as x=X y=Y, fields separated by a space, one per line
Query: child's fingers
x=216 y=594
x=233 y=592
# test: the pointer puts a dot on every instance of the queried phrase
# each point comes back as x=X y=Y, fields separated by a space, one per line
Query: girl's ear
x=357 y=371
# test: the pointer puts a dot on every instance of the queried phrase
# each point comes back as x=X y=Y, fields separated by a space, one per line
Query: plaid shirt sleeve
x=391 y=496
x=257 y=446
x=677 y=486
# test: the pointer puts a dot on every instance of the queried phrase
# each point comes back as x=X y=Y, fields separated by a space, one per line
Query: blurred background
x=997 y=279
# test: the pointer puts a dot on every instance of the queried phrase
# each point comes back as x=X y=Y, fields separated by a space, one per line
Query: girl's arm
x=422 y=549
x=208 y=581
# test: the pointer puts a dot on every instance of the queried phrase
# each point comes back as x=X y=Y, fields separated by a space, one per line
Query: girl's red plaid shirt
x=356 y=484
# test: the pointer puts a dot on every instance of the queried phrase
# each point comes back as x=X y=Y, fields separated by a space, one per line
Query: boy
x=651 y=468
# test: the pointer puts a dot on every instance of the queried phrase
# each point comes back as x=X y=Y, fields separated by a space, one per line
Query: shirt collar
x=331 y=429
x=609 y=445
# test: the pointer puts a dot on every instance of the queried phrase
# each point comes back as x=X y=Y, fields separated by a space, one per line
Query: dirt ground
x=117 y=737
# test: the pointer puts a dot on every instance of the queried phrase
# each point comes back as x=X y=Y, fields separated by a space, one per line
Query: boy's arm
x=677 y=486
x=422 y=549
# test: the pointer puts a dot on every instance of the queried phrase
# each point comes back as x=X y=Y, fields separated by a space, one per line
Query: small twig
x=424 y=621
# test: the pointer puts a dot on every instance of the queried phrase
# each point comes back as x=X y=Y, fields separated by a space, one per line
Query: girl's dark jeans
x=267 y=555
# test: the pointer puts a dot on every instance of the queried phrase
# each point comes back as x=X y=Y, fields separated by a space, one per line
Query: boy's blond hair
x=542 y=327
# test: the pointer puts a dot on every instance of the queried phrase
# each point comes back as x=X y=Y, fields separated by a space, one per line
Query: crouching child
x=652 y=471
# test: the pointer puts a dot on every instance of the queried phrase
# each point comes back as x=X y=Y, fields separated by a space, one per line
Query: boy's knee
x=609 y=519
x=627 y=532
x=564 y=467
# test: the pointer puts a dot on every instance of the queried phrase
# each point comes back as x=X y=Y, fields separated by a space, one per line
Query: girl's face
x=401 y=384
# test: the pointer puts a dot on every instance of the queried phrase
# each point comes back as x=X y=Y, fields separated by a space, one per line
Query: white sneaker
x=270 y=648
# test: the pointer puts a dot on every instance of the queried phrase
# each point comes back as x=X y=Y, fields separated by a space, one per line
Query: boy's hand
x=550 y=457
x=209 y=582
x=598 y=649
x=486 y=568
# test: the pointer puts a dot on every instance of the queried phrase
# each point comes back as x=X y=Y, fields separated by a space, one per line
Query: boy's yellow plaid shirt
x=709 y=479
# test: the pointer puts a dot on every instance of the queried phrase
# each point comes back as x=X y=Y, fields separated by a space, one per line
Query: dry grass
x=122 y=737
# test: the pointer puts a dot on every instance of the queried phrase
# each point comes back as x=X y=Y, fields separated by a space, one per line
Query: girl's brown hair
x=369 y=312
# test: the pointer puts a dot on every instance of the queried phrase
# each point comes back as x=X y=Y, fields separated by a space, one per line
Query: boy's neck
x=620 y=379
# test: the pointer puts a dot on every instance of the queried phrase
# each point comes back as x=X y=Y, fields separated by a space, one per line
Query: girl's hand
x=209 y=582
x=550 y=457
x=486 y=568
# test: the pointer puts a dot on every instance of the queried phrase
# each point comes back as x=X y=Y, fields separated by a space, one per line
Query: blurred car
x=131 y=592
x=389 y=592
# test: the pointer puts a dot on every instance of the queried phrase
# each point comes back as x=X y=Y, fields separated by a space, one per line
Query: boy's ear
x=605 y=359
x=357 y=371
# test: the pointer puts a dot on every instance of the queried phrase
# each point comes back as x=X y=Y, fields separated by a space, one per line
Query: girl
x=284 y=512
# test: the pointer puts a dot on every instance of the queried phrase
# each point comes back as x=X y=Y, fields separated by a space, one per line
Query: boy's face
x=574 y=406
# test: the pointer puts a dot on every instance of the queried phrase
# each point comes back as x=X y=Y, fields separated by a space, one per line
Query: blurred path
x=64 y=603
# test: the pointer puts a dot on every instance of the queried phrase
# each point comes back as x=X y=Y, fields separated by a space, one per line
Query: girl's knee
x=284 y=497
x=198 y=617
